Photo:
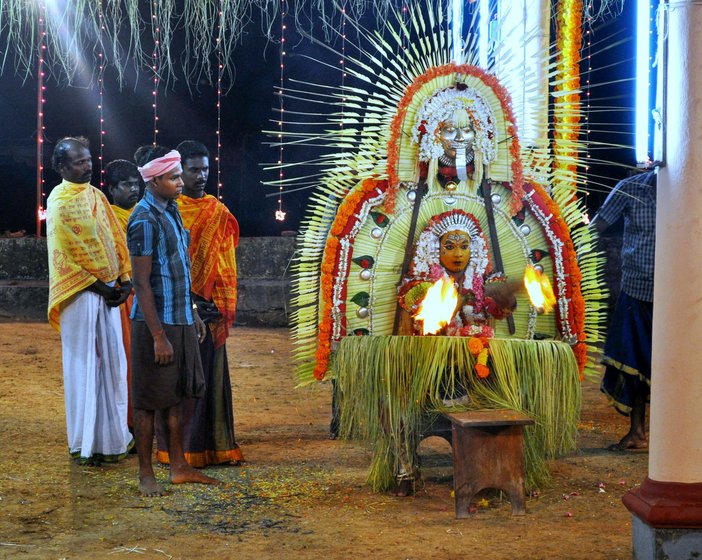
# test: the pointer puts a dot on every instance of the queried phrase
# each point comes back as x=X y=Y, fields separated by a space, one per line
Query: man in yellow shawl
x=89 y=277
x=208 y=423
x=125 y=186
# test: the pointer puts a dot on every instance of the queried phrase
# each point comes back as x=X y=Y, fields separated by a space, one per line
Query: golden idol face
x=454 y=251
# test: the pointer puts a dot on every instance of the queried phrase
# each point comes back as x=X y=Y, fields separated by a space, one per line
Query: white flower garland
x=441 y=107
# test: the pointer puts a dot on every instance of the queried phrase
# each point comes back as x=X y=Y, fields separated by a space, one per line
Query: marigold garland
x=566 y=123
x=576 y=316
x=345 y=219
x=479 y=349
x=393 y=151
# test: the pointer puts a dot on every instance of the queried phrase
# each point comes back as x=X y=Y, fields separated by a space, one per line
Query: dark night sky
x=246 y=111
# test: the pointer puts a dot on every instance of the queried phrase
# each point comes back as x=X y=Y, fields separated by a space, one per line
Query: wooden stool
x=487 y=453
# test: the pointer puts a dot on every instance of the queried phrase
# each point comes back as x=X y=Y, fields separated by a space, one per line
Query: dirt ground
x=299 y=495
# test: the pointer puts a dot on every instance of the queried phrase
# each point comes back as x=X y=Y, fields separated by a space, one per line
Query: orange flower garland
x=576 y=316
x=567 y=128
x=479 y=349
x=344 y=220
x=399 y=118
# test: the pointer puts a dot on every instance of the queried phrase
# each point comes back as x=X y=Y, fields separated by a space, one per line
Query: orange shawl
x=214 y=235
x=85 y=242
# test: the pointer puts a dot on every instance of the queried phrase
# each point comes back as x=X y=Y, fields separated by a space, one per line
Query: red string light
x=279 y=213
x=342 y=62
x=588 y=50
x=41 y=53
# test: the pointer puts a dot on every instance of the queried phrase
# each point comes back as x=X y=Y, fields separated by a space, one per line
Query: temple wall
x=263 y=268
x=263 y=280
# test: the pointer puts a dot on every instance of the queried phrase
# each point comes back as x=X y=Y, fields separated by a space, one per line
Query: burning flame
x=539 y=290
x=438 y=305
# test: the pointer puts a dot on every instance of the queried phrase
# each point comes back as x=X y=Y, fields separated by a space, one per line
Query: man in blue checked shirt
x=166 y=329
x=627 y=352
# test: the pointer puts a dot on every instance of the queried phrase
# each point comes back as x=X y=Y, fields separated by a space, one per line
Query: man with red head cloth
x=208 y=428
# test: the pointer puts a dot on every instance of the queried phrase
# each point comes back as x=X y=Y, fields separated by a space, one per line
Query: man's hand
x=163 y=351
x=504 y=293
x=103 y=290
x=200 y=327
x=207 y=310
x=122 y=293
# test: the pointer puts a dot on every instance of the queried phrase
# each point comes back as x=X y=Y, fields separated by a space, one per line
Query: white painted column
x=676 y=391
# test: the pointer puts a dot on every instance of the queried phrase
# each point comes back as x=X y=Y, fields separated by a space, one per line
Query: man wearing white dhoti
x=88 y=279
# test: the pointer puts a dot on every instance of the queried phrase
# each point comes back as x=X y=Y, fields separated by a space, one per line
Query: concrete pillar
x=667 y=508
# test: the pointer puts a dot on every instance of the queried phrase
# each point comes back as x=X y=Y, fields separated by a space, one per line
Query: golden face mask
x=454 y=251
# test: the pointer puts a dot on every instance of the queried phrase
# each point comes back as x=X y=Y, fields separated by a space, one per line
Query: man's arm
x=141 y=271
x=100 y=288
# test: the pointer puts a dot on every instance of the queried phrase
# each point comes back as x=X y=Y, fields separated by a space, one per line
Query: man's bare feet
x=150 y=488
x=629 y=443
x=186 y=474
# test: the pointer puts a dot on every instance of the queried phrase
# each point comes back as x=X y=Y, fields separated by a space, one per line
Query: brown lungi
x=157 y=387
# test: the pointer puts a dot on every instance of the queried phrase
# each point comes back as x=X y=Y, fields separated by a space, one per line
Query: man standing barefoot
x=627 y=352
x=166 y=329
x=88 y=280
x=208 y=423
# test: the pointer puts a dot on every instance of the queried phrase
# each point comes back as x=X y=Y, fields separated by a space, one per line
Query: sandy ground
x=299 y=495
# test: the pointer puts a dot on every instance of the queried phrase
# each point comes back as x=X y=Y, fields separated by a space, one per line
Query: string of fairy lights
x=41 y=89
x=342 y=62
x=280 y=213
x=101 y=94
x=587 y=47
x=220 y=72
x=155 y=66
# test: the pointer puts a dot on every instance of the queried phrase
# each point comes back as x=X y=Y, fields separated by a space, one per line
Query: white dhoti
x=94 y=379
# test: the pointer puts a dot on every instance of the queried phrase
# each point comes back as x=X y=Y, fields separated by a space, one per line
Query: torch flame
x=539 y=290
x=438 y=305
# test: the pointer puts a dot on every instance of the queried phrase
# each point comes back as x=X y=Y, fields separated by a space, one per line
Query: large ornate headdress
x=384 y=145
x=441 y=107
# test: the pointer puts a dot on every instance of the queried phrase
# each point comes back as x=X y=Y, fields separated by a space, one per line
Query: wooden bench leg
x=488 y=457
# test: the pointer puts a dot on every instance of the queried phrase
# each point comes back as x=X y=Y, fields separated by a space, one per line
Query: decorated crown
x=441 y=107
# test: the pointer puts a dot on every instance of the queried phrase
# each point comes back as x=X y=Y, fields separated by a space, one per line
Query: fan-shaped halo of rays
x=543 y=100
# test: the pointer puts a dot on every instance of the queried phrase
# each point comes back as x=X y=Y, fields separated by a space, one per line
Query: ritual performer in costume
x=166 y=328
x=432 y=186
x=89 y=277
x=452 y=247
x=125 y=187
x=452 y=254
x=208 y=422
